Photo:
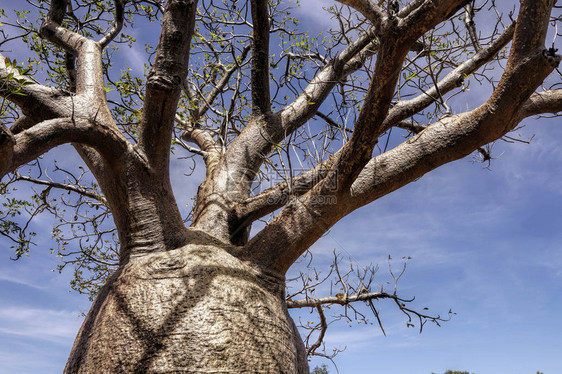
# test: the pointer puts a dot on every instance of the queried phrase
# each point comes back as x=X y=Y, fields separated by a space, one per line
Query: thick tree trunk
x=195 y=309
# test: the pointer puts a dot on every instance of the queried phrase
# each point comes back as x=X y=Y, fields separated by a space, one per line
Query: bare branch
x=307 y=103
x=367 y=8
x=543 y=102
x=260 y=57
x=212 y=151
x=259 y=136
x=405 y=108
x=410 y=7
x=64 y=186
x=164 y=81
x=341 y=299
x=89 y=73
x=449 y=139
x=457 y=136
x=36 y=101
x=210 y=98
x=119 y=17
x=323 y=327
x=46 y=135
x=471 y=27
x=281 y=194
x=332 y=123
x=189 y=148
x=52 y=30
x=396 y=42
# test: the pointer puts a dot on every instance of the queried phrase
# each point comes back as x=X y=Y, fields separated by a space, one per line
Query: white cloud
x=136 y=57
x=57 y=326
x=311 y=11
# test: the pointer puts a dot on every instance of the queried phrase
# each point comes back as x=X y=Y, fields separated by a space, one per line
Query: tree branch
x=410 y=7
x=260 y=57
x=36 y=101
x=164 y=81
x=349 y=60
x=543 y=102
x=340 y=299
x=455 y=137
x=21 y=124
x=368 y=9
x=427 y=15
x=89 y=72
x=395 y=43
x=471 y=27
x=258 y=137
x=333 y=123
x=210 y=98
x=323 y=327
x=304 y=221
x=52 y=30
x=31 y=143
x=279 y=195
x=211 y=150
x=64 y=186
x=405 y=108
x=119 y=18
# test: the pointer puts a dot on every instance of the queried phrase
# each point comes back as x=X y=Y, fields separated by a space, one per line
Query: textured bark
x=195 y=309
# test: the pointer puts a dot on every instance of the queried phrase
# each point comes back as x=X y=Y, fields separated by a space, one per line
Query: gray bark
x=194 y=309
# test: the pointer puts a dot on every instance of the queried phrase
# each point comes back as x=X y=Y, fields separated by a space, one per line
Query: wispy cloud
x=311 y=12
x=22 y=281
x=136 y=58
x=57 y=326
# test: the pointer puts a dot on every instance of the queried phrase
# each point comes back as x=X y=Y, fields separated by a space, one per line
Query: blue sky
x=485 y=242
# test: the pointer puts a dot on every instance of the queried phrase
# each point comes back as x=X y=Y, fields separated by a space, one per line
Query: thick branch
x=257 y=139
x=428 y=14
x=32 y=143
x=245 y=155
x=307 y=103
x=36 y=101
x=89 y=72
x=410 y=7
x=543 y=102
x=164 y=81
x=211 y=150
x=349 y=60
x=395 y=44
x=304 y=221
x=367 y=8
x=455 y=137
x=52 y=30
x=23 y=123
x=260 y=57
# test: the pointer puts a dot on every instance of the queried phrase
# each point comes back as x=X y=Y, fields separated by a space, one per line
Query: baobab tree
x=244 y=89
